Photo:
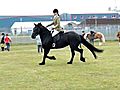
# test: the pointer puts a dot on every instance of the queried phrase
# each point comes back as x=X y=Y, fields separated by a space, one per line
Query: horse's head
x=36 y=30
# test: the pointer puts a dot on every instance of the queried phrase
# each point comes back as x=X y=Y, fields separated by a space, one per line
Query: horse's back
x=67 y=38
x=99 y=35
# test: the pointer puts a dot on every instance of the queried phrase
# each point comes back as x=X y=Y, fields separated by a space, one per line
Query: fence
x=109 y=31
x=22 y=39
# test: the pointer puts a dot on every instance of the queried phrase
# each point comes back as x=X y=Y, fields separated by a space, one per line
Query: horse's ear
x=35 y=24
x=39 y=24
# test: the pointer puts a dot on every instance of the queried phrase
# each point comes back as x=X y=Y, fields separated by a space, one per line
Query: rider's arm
x=50 y=24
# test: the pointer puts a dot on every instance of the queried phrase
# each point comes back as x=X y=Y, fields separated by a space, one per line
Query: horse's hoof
x=41 y=63
x=95 y=57
x=69 y=62
x=53 y=57
x=82 y=59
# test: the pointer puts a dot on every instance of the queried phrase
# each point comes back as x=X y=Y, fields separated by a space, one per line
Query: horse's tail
x=90 y=46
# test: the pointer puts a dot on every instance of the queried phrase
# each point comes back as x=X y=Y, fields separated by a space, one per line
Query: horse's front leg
x=46 y=51
x=73 y=54
x=101 y=42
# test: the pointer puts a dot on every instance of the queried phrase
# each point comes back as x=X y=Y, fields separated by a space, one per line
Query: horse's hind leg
x=81 y=54
x=73 y=54
x=101 y=42
x=51 y=57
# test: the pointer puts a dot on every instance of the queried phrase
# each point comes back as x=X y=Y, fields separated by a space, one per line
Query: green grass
x=19 y=69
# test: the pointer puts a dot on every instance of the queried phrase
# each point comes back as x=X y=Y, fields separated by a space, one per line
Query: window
x=113 y=16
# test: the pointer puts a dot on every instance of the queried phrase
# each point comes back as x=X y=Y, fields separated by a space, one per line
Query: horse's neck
x=45 y=35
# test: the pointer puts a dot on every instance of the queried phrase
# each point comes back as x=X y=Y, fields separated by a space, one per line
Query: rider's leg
x=54 y=33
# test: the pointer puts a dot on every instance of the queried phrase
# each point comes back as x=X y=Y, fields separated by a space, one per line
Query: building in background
x=8 y=23
x=25 y=28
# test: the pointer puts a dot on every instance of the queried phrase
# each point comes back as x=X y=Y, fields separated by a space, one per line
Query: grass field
x=19 y=69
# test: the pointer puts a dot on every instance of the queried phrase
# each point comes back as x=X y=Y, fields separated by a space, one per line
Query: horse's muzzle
x=33 y=37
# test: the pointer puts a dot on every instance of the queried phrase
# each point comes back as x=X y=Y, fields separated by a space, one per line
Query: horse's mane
x=40 y=25
x=44 y=29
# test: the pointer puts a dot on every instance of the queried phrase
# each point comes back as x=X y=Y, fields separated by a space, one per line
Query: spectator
x=7 y=42
x=39 y=44
x=92 y=34
x=2 y=42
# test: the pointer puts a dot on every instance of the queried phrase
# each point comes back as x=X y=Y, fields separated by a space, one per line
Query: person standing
x=2 y=42
x=39 y=44
x=7 y=42
x=92 y=34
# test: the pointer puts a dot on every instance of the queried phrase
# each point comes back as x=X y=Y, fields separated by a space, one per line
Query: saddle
x=57 y=37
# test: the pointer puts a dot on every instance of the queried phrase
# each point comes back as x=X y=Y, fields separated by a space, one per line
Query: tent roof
x=31 y=24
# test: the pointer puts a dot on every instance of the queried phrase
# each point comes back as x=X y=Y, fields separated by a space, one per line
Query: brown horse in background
x=97 y=35
x=118 y=35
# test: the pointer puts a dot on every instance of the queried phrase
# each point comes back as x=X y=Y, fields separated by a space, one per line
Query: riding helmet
x=55 y=11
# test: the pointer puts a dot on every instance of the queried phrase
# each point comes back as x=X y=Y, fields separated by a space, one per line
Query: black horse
x=69 y=38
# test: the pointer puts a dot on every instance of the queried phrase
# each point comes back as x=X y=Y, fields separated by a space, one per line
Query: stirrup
x=53 y=45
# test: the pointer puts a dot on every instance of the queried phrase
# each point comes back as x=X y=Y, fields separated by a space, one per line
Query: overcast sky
x=45 y=7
